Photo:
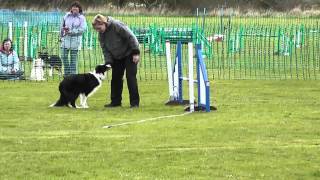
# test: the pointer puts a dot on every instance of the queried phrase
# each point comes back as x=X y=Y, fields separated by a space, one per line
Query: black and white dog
x=53 y=61
x=83 y=85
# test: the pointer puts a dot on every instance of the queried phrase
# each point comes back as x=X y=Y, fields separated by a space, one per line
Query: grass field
x=262 y=130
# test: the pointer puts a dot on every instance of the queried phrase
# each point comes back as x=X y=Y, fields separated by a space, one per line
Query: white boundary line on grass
x=145 y=120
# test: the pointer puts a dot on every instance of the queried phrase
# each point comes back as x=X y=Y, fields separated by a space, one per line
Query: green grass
x=262 y=130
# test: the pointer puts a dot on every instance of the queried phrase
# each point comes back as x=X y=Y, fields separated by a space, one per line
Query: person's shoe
x=111 y=105
x=134 y=106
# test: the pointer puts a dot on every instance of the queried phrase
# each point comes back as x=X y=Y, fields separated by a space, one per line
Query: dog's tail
x=59 y=103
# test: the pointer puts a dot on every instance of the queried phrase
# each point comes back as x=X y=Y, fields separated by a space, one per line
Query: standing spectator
x=121 y=50
x=9 y=62
x=72 y=28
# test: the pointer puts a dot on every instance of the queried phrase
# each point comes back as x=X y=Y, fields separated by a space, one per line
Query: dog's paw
x=79 y=107
x=70 y=106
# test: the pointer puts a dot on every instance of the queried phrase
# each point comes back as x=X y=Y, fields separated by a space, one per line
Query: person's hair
x=7 y=40
x=99 y=19
x=78 y=5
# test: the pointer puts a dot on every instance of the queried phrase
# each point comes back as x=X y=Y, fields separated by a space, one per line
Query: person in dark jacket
x=121 y=50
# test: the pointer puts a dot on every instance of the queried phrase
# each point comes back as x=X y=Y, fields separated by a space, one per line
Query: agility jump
x=175 y=79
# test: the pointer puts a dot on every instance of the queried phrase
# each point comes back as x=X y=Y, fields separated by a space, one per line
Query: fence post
x=10 y=30
x=25 y=47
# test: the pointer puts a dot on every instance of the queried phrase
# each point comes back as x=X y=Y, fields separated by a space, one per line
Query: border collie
x=54 y=62
x=83 y=85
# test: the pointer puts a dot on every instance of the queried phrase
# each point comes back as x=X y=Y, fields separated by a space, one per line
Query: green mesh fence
x=234 y=47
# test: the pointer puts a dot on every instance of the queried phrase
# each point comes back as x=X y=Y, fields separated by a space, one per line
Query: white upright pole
x=10 y=30
x=169 y=69
x=25 y=50
x=39 y=38
x=298 y=39
x=191 y=83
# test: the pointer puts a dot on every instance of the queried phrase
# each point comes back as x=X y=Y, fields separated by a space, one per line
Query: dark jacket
x=118 y=41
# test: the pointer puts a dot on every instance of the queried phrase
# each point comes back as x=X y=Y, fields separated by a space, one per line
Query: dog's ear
x=102 y=68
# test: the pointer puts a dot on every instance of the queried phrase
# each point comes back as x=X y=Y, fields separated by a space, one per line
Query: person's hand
x=66 y=29
x=136 y=59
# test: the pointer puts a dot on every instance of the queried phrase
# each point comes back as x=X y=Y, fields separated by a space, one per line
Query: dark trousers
x=70 y=67
x=118 y=68
x=11 y=76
